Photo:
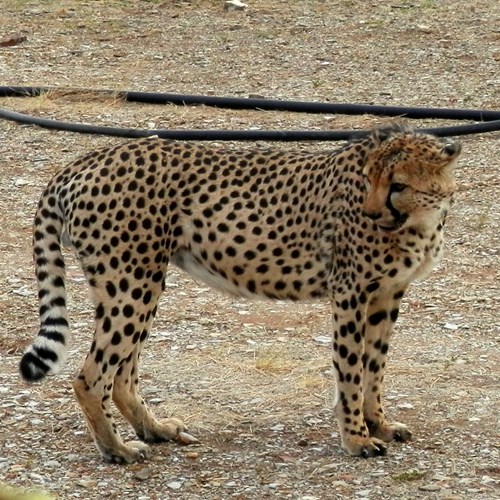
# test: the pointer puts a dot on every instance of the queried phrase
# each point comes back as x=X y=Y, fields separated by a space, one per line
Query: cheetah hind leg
x=134 y=408
x=93 y=396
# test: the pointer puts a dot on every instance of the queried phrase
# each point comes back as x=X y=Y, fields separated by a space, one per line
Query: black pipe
x=233 y=135
x=490 y=119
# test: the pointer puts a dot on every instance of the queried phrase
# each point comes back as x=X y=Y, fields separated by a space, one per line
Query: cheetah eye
x=397 y=187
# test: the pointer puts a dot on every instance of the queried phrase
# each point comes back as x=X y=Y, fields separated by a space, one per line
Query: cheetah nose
x=371 y=215
x=452 y=149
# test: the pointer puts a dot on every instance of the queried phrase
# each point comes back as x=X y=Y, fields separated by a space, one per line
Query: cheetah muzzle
x=354 y=226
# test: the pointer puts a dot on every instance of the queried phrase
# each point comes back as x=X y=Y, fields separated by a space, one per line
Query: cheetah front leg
x=348 y=348
x=381 y=314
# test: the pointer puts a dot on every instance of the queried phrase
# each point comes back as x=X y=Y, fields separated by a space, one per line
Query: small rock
x=405 y=406
x=448 y=495
x=363 y=493
x=36 y=477
x=326 y=468
x=143 y=474
x=425 y=28
x=155 y=401
x=174 y=485
x=235 y=5
x=86 y=483
x=12 y=40
x=487 y=480
x=24 y=291
x=52 y=464
x=429 y=487
x=439 y=477
x=323 y=339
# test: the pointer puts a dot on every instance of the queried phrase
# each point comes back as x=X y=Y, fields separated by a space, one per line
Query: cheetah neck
x=424 y=246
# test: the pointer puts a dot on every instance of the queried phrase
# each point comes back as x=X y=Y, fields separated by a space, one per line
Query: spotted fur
x=354 y=226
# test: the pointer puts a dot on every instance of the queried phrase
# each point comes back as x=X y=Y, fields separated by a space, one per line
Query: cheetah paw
x=130 y=452
x=365 y=447
x=170 y=429
x=388 y=432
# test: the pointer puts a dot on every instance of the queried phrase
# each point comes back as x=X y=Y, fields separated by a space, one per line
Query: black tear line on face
x=399 y=218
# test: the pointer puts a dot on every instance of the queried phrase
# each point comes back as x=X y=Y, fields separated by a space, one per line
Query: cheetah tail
x=49 y=350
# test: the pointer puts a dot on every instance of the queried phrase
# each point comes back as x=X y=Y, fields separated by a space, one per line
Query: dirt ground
x=253 y=380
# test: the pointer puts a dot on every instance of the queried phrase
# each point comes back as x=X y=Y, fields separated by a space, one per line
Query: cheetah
x=354 y=226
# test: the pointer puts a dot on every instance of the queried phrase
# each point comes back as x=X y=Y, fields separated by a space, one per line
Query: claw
x=185 y=438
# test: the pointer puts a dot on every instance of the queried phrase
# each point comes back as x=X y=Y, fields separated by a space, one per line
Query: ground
x=253 y=380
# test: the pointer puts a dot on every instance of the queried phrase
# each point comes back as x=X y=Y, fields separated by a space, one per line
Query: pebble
x=446 y=493
x=21 y=182
x=363 y=493
x=174 y=485
x=86 y=483
x=405 y=406
x=235 y=5
x=143 y=474
x=52 y=464
x=327 y=468
x=16 y=468
x=429 y=487
x=36 y=477
x=323 y=339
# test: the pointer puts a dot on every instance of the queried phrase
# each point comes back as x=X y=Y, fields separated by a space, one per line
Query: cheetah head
x=409 y=179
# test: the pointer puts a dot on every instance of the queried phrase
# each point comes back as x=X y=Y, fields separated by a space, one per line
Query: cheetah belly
x=186 y=261
x=303 y=284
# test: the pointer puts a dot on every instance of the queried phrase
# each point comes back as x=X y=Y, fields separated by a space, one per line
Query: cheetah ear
x=383 y=134
x=380 y=135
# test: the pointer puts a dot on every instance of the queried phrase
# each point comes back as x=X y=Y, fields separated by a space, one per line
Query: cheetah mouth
x=390 y=229
x=397 y=223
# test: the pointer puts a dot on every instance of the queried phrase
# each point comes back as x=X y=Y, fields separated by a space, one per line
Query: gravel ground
x=253 y=380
